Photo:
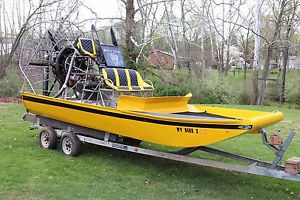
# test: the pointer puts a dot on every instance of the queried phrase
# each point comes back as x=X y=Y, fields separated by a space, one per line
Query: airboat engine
x=57 y=64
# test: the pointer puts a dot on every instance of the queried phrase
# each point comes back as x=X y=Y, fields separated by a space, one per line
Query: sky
x=104 y=9
x=108 y=9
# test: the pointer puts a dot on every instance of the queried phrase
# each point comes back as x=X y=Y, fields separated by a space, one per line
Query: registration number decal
x=190 y=130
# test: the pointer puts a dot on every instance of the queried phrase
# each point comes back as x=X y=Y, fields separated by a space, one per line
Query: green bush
x=215 y=89
x=212 y=89
x=294 y=96
x=10 y=85
x=273 y=92
x=245 y=97
x=215 y=94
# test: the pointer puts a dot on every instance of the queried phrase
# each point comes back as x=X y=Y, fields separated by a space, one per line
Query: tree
x=245 y=43
x=257 y=40
x=171 y=25
x=290 y=28
x=187 y=46
x=129 y=29
x=130 y=24
x=34 y=12
x=279 y=14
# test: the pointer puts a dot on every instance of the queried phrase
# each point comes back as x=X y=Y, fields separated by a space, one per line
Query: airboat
x=79 y=90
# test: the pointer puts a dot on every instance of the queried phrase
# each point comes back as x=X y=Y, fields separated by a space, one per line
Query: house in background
x=294 y=62
x=162 y=60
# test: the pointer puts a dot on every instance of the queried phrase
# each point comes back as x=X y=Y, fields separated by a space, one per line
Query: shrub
x=219 y=93
x=10 y=85
x=209 y=90
x=294 y=97
x=245 y=96
x=273 y=92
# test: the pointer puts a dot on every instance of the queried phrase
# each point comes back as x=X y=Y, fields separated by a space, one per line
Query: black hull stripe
x=129 y=117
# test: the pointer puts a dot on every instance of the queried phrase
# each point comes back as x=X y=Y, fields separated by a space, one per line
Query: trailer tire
x=131 y=141
x=70 y=144
x=48 y=138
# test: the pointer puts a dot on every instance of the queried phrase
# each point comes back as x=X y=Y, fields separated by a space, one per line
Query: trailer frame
x=100 y=138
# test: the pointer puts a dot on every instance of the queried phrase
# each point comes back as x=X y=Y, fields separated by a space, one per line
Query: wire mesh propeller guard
x=49 y=61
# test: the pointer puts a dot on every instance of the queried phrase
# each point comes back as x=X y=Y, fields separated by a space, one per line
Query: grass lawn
x=29 y=172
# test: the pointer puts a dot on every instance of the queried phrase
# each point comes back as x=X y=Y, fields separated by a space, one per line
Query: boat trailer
x=72 y=135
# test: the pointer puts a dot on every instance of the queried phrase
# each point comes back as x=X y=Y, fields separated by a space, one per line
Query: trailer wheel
x=131 y=141
x=48 y=138
x=70 y=144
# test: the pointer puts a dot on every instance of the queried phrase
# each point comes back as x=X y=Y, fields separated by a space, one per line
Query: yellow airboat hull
x=169 y=121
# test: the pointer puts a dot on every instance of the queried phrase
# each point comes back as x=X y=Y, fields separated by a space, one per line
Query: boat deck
x=180 y=115
x=190 y=115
